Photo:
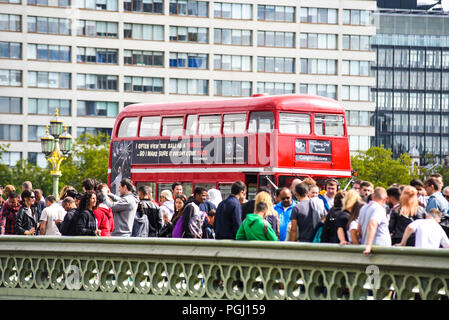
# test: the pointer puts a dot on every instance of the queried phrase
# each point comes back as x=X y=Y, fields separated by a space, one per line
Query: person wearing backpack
x=329 y=233
x=255 y=227
x=148 y=208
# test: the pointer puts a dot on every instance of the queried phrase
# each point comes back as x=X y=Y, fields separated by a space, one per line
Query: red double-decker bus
x=261 y=140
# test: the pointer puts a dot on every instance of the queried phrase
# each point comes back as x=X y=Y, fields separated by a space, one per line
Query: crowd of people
x=402 y=215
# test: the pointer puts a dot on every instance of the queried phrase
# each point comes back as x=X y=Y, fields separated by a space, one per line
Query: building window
x=48 y=25
x=233 y=88
x=319 y=15
x=239 y=11
x=355 y=93
x=276 y=64
x=324 y=90
x=11 y=1
x=10 y=22
x=35 y=132
x=44 y=79
x=189 y=34
x=232 y=62
x=10 y=158
x=48 y=52
x=233 y=37
x=319 y=66
x=109 y=5
x=359 y=143
x=275 y=88
x=143 y=31
x=189 y=86
x=92 y=131
x=189 y=8
x=144 y=84
x=318 y=41
x=11 y=50
x=11 y=78
x=104 y=29
x=49 y=3
x=97 y=82
x=357 y=17
x=49 y=106
x=144 y=58
x=10 y=105
x=97 y=55
x=275 y=13
x=37 y=159
x=97 y=108
x=11 y=132
x=355 y=68
x=276 y=39
x=359 y=118
x=146 y=6
x=189 y=60
x=356 y=42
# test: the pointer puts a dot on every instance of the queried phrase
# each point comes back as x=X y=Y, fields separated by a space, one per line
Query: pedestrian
x=366 y=190
x=408 y=211
x=65 y=193
x=26 y=223
x=207 y=206
x=167 y=205
x=151 y=210
x=422 y=194
x=52 y=216
x=373 y=223
x=331 y=188
x=352 y=228
x=89 y=184
x=356 y=185
x=8 y=214
x=104 y=215
x=39 y=203
x=27 y=185
x=436 y=199
x=284 y=209
x=215 y=197
x=428 y=232
x=255 y=226
x=9 y=188
x=347 y=220
x=86 y=224
x=393 y=201
x=2 y=201
x=123 y=208
x=271 y=215
x=140 y=225
x=191 y=215
x=330 y=225
x=68 y=226
x=293 y=188
x=173 y=228
x=229 y=213
x=208 y=225
x=176 y=188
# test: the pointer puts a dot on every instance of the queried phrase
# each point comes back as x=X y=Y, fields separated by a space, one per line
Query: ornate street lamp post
x=57 y=146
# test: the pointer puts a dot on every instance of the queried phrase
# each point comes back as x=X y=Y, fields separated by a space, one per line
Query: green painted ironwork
x=137 y=268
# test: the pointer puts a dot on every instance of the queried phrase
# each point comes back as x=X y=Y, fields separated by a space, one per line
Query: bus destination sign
x=230 y=150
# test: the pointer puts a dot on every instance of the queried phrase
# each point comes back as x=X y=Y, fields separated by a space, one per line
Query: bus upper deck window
x=172 y=126
x=234 y=123
x=295 y=123
x=329 y=125
x=150 y=126
x=261 y=122
x=191 y=124
x=209 y=124
x=128 y=128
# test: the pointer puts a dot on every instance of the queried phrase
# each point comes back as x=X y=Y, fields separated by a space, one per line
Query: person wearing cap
x=167 y=207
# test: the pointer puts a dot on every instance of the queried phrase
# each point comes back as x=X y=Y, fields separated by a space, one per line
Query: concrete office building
x=91 y=58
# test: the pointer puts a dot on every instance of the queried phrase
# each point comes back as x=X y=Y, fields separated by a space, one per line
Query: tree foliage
x=377 y=166
x=89 y=159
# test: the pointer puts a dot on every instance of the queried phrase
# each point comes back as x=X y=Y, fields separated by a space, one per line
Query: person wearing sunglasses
x=26 y=222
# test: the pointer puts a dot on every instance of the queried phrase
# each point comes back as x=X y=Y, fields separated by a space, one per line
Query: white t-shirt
x=352 y=226
x=429 y=234
x=375 y=211
x=50 y=215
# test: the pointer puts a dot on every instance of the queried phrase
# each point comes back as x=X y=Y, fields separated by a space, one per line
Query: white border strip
x=240 y=169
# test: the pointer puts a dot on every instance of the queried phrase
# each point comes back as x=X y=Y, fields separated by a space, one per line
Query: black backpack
x=329 y=233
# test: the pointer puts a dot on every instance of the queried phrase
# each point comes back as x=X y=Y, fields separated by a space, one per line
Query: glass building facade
x=412 y=83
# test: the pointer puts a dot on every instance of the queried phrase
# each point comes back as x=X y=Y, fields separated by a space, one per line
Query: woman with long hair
x=170 y=225
x=272 y=215
x=26 y=223
x=352 y=232
x=408 y=211
x=64 y=192
x=329 y=232
x=87 y=224
x=104 y=215
x=351 y=203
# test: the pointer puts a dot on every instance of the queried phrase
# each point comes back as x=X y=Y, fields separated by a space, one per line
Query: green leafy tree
x=377 y=166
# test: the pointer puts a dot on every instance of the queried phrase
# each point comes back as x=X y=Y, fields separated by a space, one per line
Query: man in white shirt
x=373 y=223
x=51 y=216
x=429 y=233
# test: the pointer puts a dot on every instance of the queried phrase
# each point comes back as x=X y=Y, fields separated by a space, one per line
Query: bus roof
x=308 y=103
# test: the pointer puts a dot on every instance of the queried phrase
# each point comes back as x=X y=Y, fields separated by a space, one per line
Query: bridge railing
x=138 y=268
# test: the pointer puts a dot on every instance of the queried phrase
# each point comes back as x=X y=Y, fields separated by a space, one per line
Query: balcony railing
x=137 y=268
